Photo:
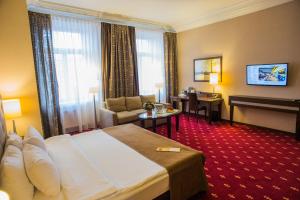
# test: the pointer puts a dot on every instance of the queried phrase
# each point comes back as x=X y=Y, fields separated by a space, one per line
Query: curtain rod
x=64 y=10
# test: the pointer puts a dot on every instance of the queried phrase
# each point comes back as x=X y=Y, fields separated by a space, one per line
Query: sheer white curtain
x=77 y=54
x=150 y=56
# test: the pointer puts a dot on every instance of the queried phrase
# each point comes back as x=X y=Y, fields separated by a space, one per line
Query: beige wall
x=17 y=76
x=268 y=36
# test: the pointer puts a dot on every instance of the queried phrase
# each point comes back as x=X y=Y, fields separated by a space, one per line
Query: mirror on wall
x=204 y=66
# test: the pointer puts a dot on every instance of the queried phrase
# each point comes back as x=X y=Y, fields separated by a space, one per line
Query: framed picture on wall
x=204 y=66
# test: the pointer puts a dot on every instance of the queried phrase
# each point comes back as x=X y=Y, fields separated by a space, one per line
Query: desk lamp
x=213 y=80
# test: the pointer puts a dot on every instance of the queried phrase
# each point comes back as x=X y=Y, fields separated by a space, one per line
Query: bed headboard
x=2 y=129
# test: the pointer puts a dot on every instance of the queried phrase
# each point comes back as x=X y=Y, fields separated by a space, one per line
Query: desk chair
x=195 y=106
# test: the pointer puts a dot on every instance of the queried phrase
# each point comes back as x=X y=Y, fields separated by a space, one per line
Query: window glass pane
x=67 y=40
x=150 y=55
x=77 y=57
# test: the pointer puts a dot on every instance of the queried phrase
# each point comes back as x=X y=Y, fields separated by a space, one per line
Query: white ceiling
x=180 y=14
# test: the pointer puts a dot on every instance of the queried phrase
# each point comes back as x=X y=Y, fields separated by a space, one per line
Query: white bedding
x=95 y=165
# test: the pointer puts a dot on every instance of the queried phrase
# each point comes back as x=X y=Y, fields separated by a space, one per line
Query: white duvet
x=94 y=165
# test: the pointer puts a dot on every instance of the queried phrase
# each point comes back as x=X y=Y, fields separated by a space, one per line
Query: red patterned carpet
x=244 y=162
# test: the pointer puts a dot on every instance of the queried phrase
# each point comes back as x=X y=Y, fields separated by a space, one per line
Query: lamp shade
x=12 y=108
x=4 y=195
x=94 y=90
x=159 y=85
x=213 y=78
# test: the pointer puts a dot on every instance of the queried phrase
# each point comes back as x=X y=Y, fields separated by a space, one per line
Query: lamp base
x=14 y=126
x=158 y=95
x=95 y=112
x=214 y=95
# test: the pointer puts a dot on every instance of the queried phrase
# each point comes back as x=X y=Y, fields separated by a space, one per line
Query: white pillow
x=13 y=176
x=15 y=140
x=41 y=170
x=35 y=138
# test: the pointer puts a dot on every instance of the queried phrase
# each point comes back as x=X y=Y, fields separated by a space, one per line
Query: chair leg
x=205 y=113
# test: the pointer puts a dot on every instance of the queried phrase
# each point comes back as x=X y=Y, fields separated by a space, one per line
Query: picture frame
x=204 y=66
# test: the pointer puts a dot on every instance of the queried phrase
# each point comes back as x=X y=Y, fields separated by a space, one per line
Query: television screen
x=267 y=74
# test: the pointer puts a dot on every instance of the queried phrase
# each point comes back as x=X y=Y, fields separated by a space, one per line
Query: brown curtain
x=119 y=61
x=41 y=36
x=171 y=71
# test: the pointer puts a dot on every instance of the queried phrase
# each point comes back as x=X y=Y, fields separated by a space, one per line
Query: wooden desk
x=207 y=100
x=267 y=103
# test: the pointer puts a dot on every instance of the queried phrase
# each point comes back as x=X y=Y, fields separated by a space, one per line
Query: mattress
x=94 y=165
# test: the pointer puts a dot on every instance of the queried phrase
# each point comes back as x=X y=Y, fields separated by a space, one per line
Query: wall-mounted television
x=267 y=74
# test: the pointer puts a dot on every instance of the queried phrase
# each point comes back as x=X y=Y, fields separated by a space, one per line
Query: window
x=77 y=56
x=150 y=56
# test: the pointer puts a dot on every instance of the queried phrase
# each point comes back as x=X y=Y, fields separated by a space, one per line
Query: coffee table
x=168 y=115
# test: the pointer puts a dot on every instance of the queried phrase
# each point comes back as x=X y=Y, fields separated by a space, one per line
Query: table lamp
x=159 y=86
x=94 y=91
x=4 y=195
x=12 y=110
x=213 y=80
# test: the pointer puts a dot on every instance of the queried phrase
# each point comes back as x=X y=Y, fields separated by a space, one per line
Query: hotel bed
x=120 y=163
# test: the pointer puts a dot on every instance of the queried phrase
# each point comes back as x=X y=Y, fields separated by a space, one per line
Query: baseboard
x=257 y=126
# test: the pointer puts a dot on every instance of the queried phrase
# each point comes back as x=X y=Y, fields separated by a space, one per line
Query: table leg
x=174 y=104
x=169 y=126
x=177 y=122
x=210 y=113
x=231 y=114
x=154 y=125
x=298 y=126
x=220 y=110
x=143 y=123
x=183 y=106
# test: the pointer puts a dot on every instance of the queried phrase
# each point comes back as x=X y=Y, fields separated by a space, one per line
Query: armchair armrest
x=108 y=118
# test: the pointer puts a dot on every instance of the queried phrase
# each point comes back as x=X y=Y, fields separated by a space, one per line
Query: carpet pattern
x=243 y=162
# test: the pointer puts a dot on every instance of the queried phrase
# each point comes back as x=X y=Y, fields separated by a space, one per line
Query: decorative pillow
x=13 y=175
x=15 y=140
x=116 y=104
x=35 y=138
x=148 y=98
x=41 y=170
x=133 y=103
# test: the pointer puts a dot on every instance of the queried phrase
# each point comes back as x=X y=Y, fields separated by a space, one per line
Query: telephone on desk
x=214 y=96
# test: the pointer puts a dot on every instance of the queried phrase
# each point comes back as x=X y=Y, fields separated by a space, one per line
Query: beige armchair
x=108 y=118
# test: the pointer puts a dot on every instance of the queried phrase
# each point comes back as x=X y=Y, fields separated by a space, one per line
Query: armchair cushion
x=126 y=117
x=133 y=103
x=139 y=111
x=116 y=104
x=148 y=98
